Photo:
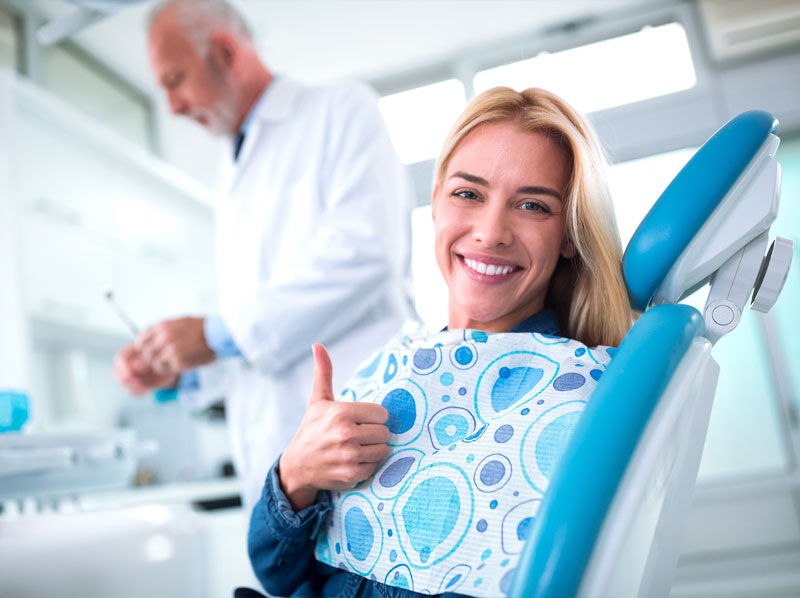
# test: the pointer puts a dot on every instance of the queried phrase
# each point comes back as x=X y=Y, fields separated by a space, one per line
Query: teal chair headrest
x=689 y=200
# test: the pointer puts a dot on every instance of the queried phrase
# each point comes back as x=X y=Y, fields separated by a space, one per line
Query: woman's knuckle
x=350 y=453
x=352 y=474
x=339 y=416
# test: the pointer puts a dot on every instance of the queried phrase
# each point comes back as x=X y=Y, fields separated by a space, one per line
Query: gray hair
x=200 y=19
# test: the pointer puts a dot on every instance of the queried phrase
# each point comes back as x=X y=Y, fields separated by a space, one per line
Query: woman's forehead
x=504 y=152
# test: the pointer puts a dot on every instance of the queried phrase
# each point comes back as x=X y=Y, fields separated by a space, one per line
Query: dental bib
x=478 y=422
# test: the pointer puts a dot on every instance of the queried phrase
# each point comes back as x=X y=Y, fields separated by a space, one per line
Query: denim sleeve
x=281 y=542
x=219 y=337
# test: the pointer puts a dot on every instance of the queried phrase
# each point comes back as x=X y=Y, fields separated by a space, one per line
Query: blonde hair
x=587 y=292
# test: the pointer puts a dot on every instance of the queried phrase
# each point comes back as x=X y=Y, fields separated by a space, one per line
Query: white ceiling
x=320 y=40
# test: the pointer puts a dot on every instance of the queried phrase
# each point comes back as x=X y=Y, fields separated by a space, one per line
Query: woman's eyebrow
x=470 y=177
x=540 y=191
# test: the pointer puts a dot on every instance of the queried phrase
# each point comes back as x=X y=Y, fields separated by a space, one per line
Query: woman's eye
x=535 y=206
x=465 y=194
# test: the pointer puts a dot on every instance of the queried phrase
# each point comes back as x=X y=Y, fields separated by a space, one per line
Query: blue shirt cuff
x=189 y=380
x=219 y=337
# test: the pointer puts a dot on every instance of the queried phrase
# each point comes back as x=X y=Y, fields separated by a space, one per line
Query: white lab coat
x=313 y=245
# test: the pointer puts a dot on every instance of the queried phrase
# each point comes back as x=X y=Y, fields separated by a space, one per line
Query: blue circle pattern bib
x=478 y=422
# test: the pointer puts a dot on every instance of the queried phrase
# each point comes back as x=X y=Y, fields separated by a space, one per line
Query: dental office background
x=102 y=190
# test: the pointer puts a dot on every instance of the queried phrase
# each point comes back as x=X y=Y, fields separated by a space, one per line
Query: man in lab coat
x=312 y=233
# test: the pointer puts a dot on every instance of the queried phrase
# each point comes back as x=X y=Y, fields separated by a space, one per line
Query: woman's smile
x=488 y=269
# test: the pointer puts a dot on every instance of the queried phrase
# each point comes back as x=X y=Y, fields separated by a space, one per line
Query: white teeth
x=488 y=269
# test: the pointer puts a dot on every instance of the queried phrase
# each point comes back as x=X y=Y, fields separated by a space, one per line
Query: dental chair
x=611 y=521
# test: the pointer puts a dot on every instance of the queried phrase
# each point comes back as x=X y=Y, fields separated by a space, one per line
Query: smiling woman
x=521 y=182
x=389 y=484
x=499 y=221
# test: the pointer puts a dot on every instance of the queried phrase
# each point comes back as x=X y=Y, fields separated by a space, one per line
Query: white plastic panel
x=746 y=212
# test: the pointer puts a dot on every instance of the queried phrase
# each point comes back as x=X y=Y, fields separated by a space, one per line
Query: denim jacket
x=281 y=545
x=281 y=542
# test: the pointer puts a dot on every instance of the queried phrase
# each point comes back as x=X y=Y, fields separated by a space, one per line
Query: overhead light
x=86 y=13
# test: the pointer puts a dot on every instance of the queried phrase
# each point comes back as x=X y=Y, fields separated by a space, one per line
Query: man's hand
x=337 y=444
x=136 y=375
x=174 y=346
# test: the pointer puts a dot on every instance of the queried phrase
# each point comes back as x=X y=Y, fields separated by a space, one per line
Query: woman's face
x=498 y=216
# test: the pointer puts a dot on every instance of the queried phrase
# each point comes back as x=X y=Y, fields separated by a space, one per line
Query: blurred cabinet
x=62 y=274
x=94 y=213
x=83 y=211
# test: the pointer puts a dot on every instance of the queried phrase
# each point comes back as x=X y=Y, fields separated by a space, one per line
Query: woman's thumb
x=322 y=388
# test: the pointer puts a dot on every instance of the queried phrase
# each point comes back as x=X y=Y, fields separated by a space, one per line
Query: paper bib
x=478 y=422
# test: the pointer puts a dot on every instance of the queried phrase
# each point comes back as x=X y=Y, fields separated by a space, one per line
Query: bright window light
x=637 y=184
x=418 y=119
x=430 y=290
x=651 y=63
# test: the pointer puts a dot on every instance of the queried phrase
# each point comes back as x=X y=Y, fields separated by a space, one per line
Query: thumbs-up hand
x=337 y=444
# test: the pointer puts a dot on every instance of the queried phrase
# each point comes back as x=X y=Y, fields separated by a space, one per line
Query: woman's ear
x=568 y=248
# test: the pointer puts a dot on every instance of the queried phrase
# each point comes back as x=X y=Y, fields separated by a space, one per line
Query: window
x=652 y=62
x=785 y=312
x=637 y=184
x=418 y=119
x=85 y=84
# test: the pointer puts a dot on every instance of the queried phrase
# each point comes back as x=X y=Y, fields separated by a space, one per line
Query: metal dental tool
x=109 y=295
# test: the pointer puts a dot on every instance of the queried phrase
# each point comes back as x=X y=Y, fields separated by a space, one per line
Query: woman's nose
x=492 y=227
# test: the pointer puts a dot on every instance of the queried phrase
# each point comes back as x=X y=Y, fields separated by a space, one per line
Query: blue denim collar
x=543 y=322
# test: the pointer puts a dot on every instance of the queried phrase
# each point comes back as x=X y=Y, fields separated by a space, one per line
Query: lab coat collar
x=276 y=102
x=274 y=105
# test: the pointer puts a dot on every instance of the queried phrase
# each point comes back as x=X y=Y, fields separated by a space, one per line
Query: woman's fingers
x=365 y=413
x=353 y=474
x=373 y=434
x=373 y=453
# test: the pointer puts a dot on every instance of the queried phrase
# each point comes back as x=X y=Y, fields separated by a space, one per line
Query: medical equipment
x=123 y=315
x=13 y=410
x=611 y=522
x=53 y=465
x=161 y=395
